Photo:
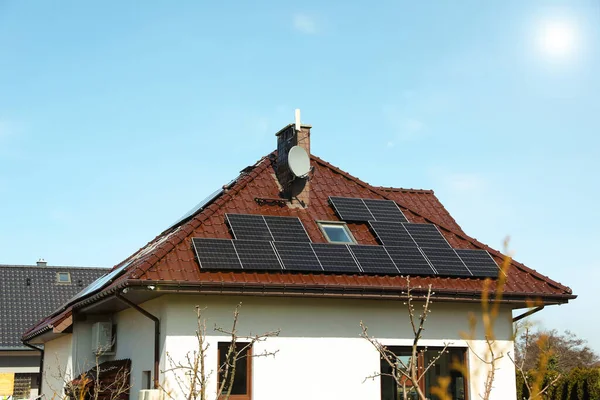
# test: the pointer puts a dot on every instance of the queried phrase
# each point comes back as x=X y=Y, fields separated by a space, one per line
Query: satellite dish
x=299 y=162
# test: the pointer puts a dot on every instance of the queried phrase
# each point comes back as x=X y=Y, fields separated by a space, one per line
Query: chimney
x=41 y=262
x=296 y=134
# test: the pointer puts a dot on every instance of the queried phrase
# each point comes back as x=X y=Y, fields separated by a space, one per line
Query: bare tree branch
x=194 y=365
x=405 y=373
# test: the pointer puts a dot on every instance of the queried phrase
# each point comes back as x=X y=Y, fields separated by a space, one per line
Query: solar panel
x=101 y=282
x=351 y=209
x=385 y=210
x=216 y=253
x=199 y=206
x=479 y=262
x=249 y=227
x=373 y=259
x=426 y=235
x=392 y=233
x=410 y=261
x=286 y=229
x=257 y=255
x=297 y=256
x=335 y=258
x=446 y=261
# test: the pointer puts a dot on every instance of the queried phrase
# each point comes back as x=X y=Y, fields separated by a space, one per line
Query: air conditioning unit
x=102 y=339
x=150 y=394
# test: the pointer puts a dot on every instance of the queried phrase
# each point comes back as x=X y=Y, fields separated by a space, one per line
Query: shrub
x=578 y=384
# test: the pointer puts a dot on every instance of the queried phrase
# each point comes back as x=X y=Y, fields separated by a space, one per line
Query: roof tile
x=28 y=293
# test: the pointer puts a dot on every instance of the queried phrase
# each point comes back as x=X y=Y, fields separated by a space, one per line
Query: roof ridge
x=464 y=236
x=404 y=190
x=49 y=266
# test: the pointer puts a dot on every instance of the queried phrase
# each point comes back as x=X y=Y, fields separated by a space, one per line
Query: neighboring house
x=27 y=294
x=313 y=256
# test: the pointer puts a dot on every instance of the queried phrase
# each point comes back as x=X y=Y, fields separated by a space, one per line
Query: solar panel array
x=410 y=261
x=385 y=210
x=216 y=254
x=479 y=262
x=298 y=256
x=270 y=228
x=350 y=209
x=353 y=209
x=426 y=235
x=335 y=258
x=445 y=261
x=269 y=243
x=374 y=259
x=392 y=233
x=101 y=281
x=256 y=255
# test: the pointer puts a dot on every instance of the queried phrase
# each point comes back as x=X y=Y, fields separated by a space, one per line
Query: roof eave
x=316 y=290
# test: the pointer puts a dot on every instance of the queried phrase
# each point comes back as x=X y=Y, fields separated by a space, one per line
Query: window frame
x=63 y=273
x=248 y=395
x=421 y=363
x=344 y=227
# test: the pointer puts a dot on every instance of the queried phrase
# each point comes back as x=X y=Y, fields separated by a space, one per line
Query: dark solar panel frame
x=351 y=209
x=298 y=256
x=385 y=210
x=249 y=227
x=410 y=261
x=373 y=259
x=480 y=263
x=446 y=262
x=335 y=258
x=257 y=255
x=218 y=254
x=427 y=235
x=392 y=233
x=286 y=229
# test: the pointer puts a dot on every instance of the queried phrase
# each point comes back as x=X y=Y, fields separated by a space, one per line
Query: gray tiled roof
x=29 y=293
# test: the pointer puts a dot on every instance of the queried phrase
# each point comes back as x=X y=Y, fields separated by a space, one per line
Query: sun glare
x=558 y=38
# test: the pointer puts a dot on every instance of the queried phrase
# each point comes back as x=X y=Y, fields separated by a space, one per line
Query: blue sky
x=115 y=119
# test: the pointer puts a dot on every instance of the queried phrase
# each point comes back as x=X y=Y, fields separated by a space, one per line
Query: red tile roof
x=169 y=259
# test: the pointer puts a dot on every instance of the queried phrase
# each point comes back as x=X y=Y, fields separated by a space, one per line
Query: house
x=27 y=294
x=311 y=250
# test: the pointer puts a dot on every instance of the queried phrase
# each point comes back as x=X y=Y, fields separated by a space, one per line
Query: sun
x=557 y=38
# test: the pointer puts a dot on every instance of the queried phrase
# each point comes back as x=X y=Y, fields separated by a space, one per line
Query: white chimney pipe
x=297 y=119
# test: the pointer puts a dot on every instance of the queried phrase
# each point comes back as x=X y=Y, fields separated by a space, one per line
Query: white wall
x=320 y=354
x=135 y=340
x=58 y=366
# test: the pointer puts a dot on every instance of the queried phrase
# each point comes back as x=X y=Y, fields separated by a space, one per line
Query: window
x=336 y=232
x=63 y=277
x=442 y=368
x=240 y=382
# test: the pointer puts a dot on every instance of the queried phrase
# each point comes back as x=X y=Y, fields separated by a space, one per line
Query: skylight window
x=63 y=277
x=336 y=232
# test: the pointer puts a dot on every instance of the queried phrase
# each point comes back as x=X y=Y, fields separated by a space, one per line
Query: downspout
x=156 y=333
x=41 y=378
x=527 y=314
